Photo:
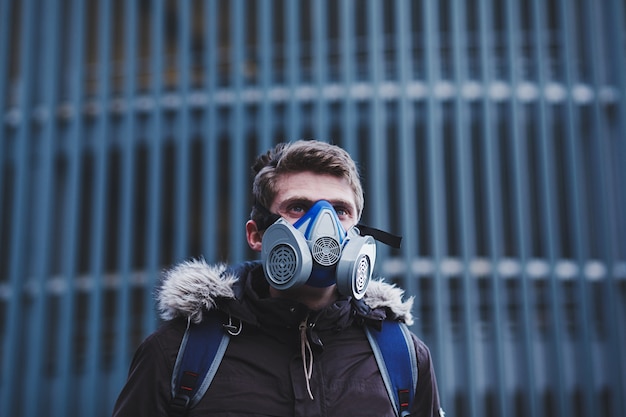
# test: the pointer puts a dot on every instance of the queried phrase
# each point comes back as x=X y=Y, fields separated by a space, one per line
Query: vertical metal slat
x=127 y=201
x=99 y=233
x=238 y=170
x=181 y=136
x=616 y=17
x=5 y=30
x=407 y=177
x=605 y=202
x=577 y=200
x=549 y=225
x=520 y=184
x=435 y=187
x=321 y=68
x=292 y=51
x=43 y=217
x=210 y=160
x=377 y=161
x=155 y=193
x=491 y=182
x=73 y=203
x=349 y=125
x=19 y=211
x=466 y=191
x=266 y=56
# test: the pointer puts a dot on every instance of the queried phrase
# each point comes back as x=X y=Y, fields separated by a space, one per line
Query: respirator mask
x=318 y=251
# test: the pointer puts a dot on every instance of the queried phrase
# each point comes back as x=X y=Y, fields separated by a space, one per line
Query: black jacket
x=263 y=371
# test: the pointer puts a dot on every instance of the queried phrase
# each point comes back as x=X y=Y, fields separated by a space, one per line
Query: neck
x=312 y=297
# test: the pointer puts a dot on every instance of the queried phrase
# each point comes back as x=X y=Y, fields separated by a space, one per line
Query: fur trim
x=380 y=294
x=193 y=286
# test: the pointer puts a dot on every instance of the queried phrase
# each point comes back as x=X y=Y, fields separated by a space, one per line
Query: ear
x=253 y=235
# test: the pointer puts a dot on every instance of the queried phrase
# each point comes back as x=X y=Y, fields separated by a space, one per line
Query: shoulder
x=193 y=287
x=424 y=358
x=147 y=388
x=163 y=343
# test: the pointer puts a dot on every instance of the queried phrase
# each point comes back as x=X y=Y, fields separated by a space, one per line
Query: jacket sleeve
x=147 y=389
x=426 y=401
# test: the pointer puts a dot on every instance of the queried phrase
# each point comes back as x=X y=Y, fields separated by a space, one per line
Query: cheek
x=291 y=217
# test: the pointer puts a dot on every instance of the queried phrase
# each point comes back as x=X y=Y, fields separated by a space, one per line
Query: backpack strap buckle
x=179 y=405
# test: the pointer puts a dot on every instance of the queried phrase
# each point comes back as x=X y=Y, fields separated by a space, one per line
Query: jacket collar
x=193 y=287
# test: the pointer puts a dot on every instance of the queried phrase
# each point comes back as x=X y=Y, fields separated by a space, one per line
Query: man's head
x=308 y=198
x=302 y=156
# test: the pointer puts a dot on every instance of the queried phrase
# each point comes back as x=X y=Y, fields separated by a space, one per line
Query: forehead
x=313 y=187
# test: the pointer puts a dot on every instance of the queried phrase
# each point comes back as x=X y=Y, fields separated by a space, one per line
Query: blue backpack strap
x=396 y=358
x=200 y=353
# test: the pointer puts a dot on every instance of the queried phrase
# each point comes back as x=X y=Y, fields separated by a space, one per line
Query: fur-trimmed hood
x=194 y=286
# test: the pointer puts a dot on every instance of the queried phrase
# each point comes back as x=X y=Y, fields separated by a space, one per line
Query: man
x=298 y=344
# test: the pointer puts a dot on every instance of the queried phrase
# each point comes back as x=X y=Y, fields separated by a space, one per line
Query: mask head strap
x=264 y=217
x=383 y=237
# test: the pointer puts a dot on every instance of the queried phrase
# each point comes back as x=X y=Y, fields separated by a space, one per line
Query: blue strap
x=201 y=351
x=395 y=354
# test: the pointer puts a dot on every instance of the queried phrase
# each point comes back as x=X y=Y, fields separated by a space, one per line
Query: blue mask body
x=317 y=251
x=325 y=237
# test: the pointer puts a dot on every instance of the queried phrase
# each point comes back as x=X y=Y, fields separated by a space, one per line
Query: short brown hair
x=304 y=155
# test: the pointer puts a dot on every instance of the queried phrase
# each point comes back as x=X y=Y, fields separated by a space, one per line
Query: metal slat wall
x=491 y=134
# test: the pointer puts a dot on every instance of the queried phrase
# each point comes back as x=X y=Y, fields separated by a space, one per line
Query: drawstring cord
x=305 y=348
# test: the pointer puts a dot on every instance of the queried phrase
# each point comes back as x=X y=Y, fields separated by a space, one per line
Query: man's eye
x=341 y=211
x=298 y=209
